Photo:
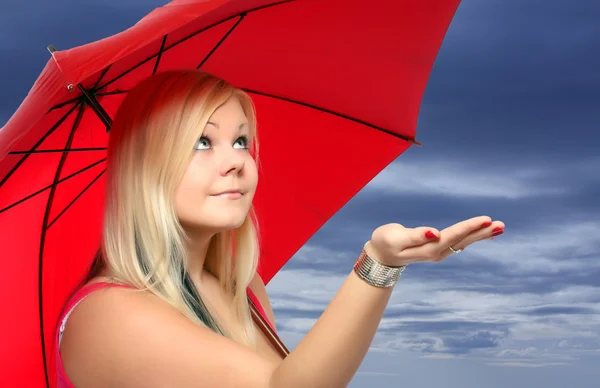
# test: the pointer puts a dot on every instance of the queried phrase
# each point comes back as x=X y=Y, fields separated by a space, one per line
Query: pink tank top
x=62 y=379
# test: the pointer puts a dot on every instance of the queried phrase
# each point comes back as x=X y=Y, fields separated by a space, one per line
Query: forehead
x=229 y=114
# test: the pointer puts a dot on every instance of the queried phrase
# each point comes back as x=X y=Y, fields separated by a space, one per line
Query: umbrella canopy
x=337 y=86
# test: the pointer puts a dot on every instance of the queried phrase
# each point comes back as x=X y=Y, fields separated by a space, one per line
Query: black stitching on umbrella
x=57 y=150
x=406 y=138
x=242 y=16
x=188 y=37
x=75 y=199
x=36 y=145
x=160 y=51
x=61 y=164
x=52 y=185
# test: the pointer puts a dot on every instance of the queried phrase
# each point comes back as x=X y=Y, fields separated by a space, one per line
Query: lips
x=229 y=194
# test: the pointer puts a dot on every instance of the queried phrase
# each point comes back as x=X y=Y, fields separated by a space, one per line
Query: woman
x=165 y=304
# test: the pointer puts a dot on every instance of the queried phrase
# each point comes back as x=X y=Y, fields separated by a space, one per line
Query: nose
x=233 y=163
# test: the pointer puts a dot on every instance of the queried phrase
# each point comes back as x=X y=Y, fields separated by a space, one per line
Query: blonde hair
x=143 y=243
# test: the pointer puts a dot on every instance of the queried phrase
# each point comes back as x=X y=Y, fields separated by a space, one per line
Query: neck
x=197 y=248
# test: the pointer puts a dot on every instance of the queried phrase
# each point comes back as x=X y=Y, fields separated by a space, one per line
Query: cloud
x=376 y=374
x=449 y=178
x=464 y=308
x=552 y=249
x=527 y=364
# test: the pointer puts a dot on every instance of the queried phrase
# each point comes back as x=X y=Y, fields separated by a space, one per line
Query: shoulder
x=260 y=290
x=125 y=337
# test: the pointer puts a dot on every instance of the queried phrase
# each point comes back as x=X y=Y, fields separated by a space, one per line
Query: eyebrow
x=240 y=127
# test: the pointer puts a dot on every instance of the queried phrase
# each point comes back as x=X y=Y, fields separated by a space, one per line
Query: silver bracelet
x=375 y=273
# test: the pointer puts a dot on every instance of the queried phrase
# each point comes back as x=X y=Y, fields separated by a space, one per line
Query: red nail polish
x=498 y=229
x=497 y=233
x=486 y=224
x=430 y=234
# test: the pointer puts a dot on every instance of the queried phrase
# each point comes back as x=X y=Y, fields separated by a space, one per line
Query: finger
x=487 y=233
x=457 y=232
x=495 y=229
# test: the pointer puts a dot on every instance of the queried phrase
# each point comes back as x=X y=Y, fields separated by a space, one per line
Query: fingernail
x=430 y=234
x=486 y=224
x=497 y=231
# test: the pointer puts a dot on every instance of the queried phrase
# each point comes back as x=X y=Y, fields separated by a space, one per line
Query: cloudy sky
x=509 y=123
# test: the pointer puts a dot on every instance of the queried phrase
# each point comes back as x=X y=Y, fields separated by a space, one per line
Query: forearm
x=334 y=348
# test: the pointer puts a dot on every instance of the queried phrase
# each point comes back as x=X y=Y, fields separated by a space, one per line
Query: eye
x=242 y=141
x=203 y=143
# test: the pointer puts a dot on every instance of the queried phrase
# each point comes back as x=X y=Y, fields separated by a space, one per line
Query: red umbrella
x=337 y=86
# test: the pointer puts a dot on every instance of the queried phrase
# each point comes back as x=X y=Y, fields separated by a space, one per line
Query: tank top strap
x=259 y=307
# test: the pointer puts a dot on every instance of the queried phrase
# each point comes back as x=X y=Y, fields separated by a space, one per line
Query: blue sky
x=509 y=123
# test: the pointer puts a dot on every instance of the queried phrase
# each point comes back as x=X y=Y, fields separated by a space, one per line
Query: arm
x=119 y=337
x=123 y=338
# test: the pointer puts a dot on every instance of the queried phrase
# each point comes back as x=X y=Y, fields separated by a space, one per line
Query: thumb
x=392 y=239
x=421 y=236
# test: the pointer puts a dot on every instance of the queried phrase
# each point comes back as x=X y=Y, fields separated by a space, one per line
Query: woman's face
x=219 y=184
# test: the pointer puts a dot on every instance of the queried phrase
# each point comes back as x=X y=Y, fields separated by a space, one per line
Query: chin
x=223 y=224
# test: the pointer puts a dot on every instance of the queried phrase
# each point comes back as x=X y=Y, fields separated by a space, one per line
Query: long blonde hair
x=143 y=244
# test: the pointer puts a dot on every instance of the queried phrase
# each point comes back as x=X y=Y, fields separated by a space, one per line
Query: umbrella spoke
x=119 y=76
x=242 y=16
x=36 y=145
x=76 y=198
x=90 y=99
x=387 y=131
x=52 y=185
x=101 y=77
x=79 y=97
x=61 y=164
x=118 y=91
x=160 y=52
x=71 y=101
x=57 y=150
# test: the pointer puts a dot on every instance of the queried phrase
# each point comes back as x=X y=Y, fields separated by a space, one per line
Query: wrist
x=380 y=258
x=376 y=273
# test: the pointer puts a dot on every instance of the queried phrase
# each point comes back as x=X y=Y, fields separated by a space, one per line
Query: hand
x=395 y=245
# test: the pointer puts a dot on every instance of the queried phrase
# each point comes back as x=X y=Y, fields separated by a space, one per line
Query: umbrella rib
x=61 y=164
x=242 y=16
x=96 y=107
x=36 y=145
x=52 y=185
x=188 y=37
x=57 y=150
x=387 y=131
x=75 y=199
x=58 y=106
x=160 y=52
x=118 y=91
x=78 y=98
x=101 y=76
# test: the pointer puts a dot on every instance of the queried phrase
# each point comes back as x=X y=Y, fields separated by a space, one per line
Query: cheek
x=252 y=173
x=192 y=190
